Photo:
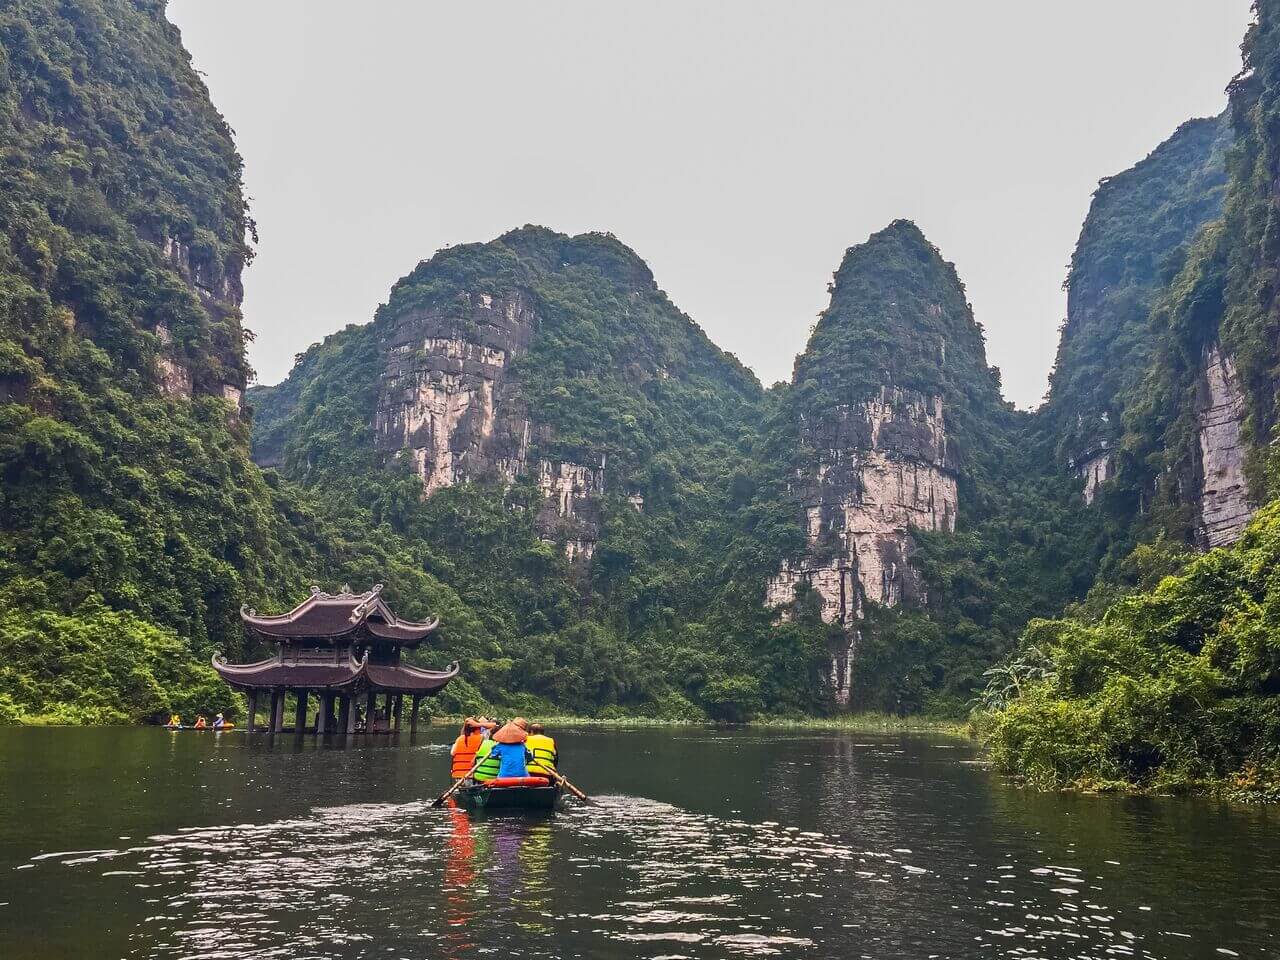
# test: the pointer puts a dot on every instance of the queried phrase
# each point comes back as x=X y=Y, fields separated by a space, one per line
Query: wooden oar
x=439 y=801
x=564 y=782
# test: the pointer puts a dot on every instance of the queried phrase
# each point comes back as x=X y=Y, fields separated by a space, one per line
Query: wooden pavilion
x=343 y=647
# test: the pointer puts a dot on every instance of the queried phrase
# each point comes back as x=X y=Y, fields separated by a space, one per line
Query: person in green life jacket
x=504 y=753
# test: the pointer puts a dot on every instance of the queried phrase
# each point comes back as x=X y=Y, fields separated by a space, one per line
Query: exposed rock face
x=444 y=382
x=447 y=399
x=175 y=378
x=893 y=386
x=883 y=470
x=213 y=286
x=1137 y=221
x=1096 y=470
x=220 y=293
x=1223 y=505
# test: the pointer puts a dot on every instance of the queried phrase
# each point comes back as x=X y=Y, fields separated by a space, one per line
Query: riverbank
x=849 y=723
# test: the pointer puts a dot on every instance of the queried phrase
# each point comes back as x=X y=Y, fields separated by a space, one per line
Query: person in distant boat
x=200 y=723
x=464 y=748
x=175 y=722
x=219 y=722
x=543 y=749
x=509 y=748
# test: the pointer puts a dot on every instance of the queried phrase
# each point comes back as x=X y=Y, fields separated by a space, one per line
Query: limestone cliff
x=447 y=401
x=536 y=358
x=1222 y=500
x=219 y=292
x=123 y=233
x=123 y=182
x=1139 y=224
x=894 y=359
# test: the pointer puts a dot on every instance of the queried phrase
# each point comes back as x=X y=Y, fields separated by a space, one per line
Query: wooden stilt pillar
x=344 y=712
x=277 y=711
x=413 y=714
x=370 y=703
x=351 y=714
x=322 y=714
x=300 y=712
x=252 y=697
x=399 y=697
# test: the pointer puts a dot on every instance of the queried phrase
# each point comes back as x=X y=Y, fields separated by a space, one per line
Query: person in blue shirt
x=510 y=750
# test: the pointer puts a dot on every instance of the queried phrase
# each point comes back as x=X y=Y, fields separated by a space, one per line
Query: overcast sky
x=738 y=147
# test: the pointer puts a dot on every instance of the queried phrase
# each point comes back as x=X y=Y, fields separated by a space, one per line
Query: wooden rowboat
x=510 y=793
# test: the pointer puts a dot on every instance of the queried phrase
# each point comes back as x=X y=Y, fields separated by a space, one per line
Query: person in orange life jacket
x=509 y=751
x=200 y=723
x=464 y=748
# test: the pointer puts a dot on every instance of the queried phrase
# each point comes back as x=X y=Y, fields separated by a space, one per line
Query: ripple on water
x=653 y=879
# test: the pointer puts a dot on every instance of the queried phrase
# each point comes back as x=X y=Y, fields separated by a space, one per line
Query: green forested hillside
x=613 y=498
x=1179 y=683
x=656 y=623
x=113 y=494
x=132 y=523
x=1133 y=242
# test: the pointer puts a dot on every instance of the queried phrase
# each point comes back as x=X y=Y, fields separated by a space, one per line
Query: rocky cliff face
x=446 y=399
x=124 y=174
x=538 y=357
x=1222 y=500
x=219 y=291
x=882 y=465
x=1139 y=224
x=444 y=385
x=882 y=471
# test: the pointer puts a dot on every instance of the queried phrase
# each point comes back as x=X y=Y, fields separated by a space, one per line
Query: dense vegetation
x=1174 y=687
x=1134 y=240
x=1179 y=683
x=658 y=623
x=133 y=523
x=113 y=495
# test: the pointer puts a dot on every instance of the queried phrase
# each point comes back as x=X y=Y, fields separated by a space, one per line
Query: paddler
x=464 y=748
x=200 y=723
x=219 y=722
x=543 y=749
x=175 y=722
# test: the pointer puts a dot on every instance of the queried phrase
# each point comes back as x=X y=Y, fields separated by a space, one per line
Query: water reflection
x=833 y=847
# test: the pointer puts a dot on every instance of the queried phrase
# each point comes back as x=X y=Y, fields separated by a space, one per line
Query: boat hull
x=509 y=798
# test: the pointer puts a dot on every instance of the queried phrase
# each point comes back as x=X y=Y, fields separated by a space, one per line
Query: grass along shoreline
x=851 y=723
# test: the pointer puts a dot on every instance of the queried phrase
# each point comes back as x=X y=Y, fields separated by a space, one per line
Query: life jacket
x=464 y=753
x=489 y=763
x=200 y=724
x=543 y=749
x=513 y=759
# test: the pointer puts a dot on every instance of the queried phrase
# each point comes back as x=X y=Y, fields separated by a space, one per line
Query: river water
x=144 y=843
